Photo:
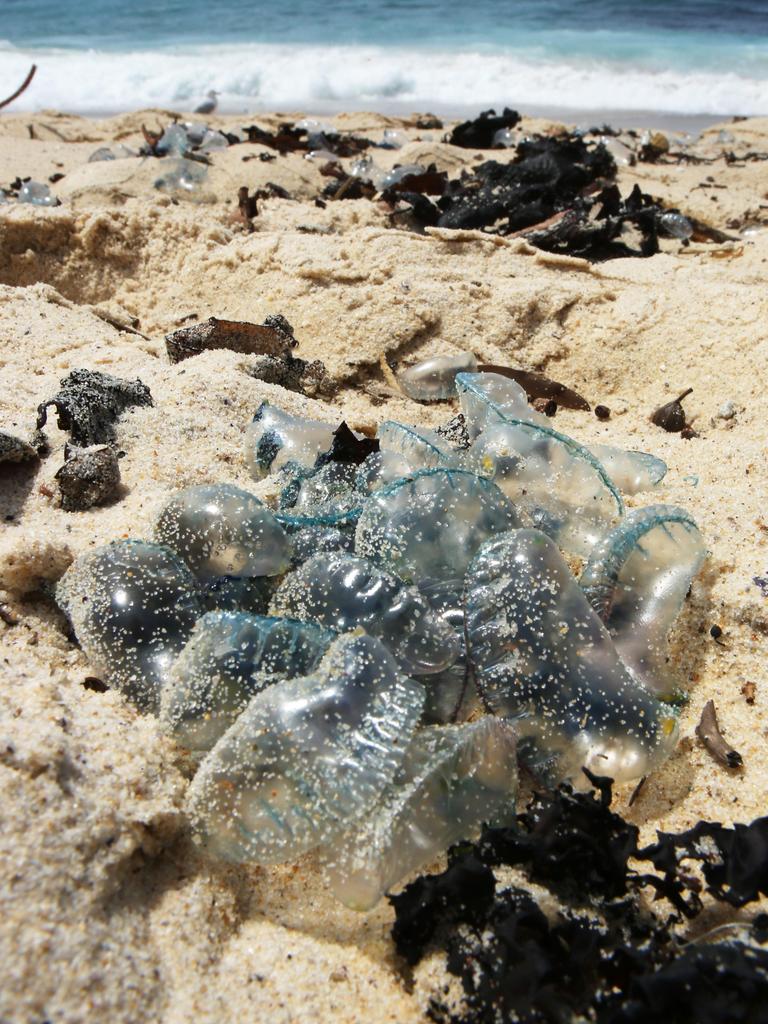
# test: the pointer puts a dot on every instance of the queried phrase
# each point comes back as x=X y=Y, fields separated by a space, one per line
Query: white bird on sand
x=208 y=106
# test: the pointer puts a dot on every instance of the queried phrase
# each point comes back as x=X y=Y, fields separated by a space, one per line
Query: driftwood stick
x=21 y=88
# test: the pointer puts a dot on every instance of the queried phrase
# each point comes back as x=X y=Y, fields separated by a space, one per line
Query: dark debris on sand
x=557 y=193
x=480 y=131
x=288 y=138
x=538 y=386
x=272 y=343
x=348 y=448
x=272 y=338
x=89 y=477
x=305 y=377
x=14 y=449
x=90 y=403
x=603 y=958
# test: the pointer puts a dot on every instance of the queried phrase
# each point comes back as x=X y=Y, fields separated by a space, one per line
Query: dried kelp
x=90 y=403
x=546 y=177
x=557 y=193
x=348 y=187
x=272 y=338
x=300 y=375
x=536 y=385
x=292 y=138
x=430 y=182
x=480 y=131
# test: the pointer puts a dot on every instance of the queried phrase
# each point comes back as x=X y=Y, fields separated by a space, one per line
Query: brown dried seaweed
x=272 y=338
x=536 y=385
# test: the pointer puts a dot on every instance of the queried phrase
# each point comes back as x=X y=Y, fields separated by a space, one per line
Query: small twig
x=709 y=733
x=21 y=88
x=117 y=322
x=637 y=790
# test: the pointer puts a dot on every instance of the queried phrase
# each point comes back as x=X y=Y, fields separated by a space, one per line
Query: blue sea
x=676 y=57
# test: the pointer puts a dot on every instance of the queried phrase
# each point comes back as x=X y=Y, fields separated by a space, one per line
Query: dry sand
x=106 y=913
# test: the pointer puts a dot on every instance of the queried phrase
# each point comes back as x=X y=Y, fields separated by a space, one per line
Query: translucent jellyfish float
x=564 y=490
x=133 y=606
x=229 y=658
x=544 y=660
x=342 y=592
x=452 y=779
x=637 y=579
x=357 y=665
x=433 y=379
x=275 y=438
x=221 y=530
x=307 y=757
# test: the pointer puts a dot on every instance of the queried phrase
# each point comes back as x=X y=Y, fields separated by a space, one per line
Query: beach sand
x=106 y=911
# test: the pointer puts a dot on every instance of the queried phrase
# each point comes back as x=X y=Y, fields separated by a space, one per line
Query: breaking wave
x=331 y=78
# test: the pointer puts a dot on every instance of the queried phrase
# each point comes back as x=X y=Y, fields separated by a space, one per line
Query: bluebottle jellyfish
x=489 y=398
x=250 y=594
x=632 y=472
x=426 y=529
x=405 y=450
x=326 y=495
x=132 y=606
x=228 y=659
x=358 y=670
x=222 y=530
x=342 y=592
x=451 y=693
x=432 y=380
x=637 y=579
x=544 y=660
x=556 y=482
x=453 y=779
x=275 y=437
x=307 y=757
x=308 y=539
x=429 y=525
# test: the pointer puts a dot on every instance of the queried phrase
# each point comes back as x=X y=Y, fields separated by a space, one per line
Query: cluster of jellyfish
x=360 y=670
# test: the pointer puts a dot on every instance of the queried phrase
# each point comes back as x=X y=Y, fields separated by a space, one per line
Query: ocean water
x=687 y=57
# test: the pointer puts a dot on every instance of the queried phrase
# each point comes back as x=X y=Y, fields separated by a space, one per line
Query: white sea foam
x=252 y=77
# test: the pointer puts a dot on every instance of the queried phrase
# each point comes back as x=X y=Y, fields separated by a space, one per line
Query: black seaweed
x=574 y=845
x=479 y=132
x=90 y=403
x=347 y=447
x=287 y=138
x=557 y=192
x=545 y=177
x=348 y=187
x=734 y=861
x=619 y=965
x=462 y=894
